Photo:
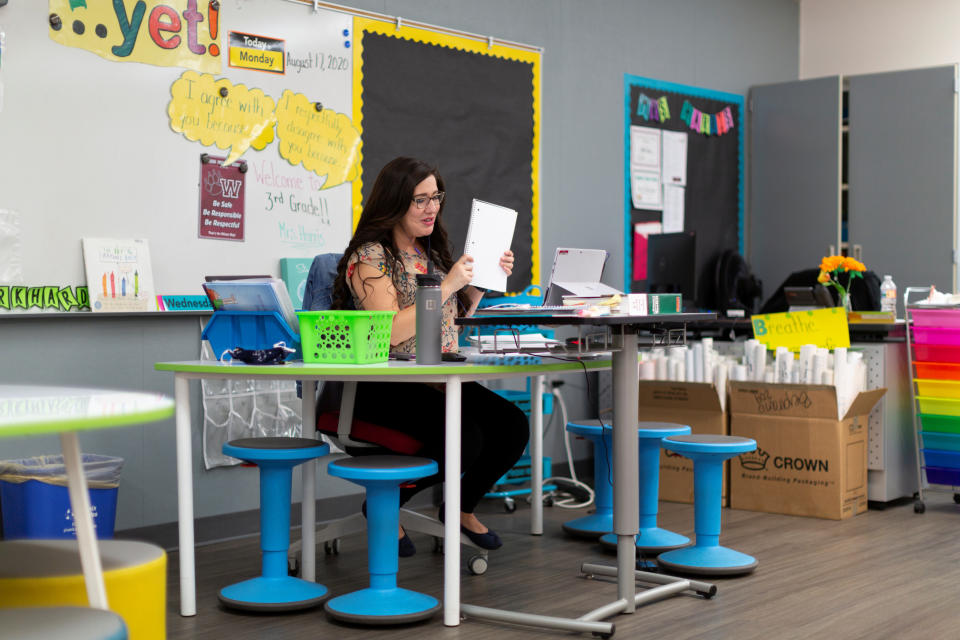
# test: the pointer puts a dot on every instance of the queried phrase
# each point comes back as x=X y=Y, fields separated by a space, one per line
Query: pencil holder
x=345 y=337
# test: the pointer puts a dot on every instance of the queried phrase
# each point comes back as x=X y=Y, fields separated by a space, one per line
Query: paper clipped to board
x=490 y=234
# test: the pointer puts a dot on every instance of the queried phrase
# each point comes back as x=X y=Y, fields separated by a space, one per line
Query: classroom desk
x=35 y=410
x=625 y=331
x=450 y=374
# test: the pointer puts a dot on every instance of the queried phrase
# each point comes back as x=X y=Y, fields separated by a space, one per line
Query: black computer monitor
x=672 y=265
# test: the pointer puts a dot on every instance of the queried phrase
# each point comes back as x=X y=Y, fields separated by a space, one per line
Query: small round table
x=27 y=410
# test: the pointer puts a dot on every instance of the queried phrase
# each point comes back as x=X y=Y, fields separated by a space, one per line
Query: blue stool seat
x=274 y=590
x=601 y=520
x=61 y=623
x=651 y=539
x=706 y=556
x=383 y=602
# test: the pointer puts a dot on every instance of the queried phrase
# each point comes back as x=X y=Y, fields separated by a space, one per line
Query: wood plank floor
x=884 y=574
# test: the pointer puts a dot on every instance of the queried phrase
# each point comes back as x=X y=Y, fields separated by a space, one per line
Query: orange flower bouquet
x=830 y=269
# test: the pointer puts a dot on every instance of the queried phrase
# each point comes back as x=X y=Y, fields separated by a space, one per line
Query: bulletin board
x=469 y=108
x=713 y=194
x=114 y=113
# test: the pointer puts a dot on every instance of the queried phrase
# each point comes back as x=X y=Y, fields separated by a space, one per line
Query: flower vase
x=845 y=302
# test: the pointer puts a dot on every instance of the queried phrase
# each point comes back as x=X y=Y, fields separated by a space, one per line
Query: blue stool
x=706 y=556
x=601 y=520
x=274 y=590
x=383 y=602
x=652 y=539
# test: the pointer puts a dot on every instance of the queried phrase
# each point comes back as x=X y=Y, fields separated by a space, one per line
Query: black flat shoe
x=405 y=546
x=489 y=540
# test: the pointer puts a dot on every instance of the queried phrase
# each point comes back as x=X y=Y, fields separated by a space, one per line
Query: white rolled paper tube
x=826 y=377
x=661 y=367
x=795 y=373
x=698 y=362
x=688 y=364
x=807 y=352
x=738 y=372
x=768 y=376
x=709 y=363
x=648 y=370
x=781 y=373
x=720 y=382
x=673 y=370
x=682 y=370
x=819 y=366
x=760 y=356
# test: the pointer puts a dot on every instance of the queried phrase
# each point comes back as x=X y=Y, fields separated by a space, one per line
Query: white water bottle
x=888 y=295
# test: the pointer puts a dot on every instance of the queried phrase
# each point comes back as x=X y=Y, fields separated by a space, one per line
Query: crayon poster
x=119 y=277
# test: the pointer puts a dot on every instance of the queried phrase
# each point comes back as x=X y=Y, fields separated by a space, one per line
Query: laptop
x=575 y=272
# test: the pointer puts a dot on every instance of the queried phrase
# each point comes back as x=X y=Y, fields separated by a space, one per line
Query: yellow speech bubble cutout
x=218 y=112
x=323 y=141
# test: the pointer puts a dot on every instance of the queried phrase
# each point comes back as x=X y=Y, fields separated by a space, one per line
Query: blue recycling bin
x=35 y=501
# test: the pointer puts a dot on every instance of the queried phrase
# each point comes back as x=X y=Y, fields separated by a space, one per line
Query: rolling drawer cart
x=933 y=349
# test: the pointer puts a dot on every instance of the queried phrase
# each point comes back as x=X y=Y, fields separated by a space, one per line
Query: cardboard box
x=807 y=462
x=695 y=404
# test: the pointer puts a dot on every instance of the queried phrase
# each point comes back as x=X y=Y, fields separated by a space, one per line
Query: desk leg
x=83 y=521
x=626 y=497
x=451 y=492
x=536 y=456
x=308 y=513
x=188 y=582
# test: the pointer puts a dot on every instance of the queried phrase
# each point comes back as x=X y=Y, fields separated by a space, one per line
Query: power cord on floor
x=571 y=493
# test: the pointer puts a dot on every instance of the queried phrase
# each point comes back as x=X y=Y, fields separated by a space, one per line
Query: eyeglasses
x=421 y=201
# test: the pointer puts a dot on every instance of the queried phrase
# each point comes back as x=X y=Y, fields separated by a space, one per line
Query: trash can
x=35 y=501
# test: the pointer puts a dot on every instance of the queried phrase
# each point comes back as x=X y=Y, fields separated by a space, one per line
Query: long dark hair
x=385 y=207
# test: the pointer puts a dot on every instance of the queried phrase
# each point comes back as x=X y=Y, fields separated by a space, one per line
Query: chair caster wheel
x=437 y=545
x=919 y=506
x=548 y=501
x=332 y=547
x=293 y=567
x=509 y=505
x=477 y=565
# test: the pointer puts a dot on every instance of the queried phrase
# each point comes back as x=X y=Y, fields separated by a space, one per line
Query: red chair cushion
x=371 y=433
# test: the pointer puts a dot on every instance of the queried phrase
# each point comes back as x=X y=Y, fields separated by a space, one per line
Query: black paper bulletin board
x=470 y=109
x=713 y=197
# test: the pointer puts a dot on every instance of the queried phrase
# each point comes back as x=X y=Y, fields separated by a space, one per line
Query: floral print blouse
x=372 y=254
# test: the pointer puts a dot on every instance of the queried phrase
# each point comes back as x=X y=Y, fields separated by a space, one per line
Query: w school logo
x=230 y=188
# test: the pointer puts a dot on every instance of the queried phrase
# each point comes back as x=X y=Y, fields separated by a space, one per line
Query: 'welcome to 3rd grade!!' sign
x=822 y=327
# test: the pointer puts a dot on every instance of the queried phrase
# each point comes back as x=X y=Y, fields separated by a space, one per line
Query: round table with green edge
x=31 y=410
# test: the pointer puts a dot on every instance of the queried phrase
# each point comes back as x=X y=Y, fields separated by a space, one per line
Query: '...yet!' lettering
x=163 y=26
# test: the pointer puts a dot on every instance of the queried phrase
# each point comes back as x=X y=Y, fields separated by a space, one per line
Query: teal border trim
x=697 y=92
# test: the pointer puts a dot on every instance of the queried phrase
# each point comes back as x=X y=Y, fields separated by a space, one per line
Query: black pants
x=493 y=431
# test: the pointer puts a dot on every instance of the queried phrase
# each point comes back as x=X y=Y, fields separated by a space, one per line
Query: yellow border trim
x=362 y=25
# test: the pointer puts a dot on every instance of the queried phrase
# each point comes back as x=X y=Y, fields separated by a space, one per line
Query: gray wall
x=589 y=45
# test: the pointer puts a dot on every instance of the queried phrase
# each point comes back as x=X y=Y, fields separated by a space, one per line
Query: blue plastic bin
x=941 y=459
x=37 y=504
x=254 y=330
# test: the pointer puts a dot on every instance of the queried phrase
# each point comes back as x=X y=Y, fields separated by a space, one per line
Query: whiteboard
x=86 y=149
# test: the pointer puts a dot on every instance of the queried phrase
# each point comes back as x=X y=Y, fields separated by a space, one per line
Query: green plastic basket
x=345 y=337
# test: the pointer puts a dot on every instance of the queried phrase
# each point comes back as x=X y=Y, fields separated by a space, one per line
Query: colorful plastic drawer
x=943 y=459
x=936 y=335
x=939 y=406
x=941 y=424
x=941 y=441
x=937 y=371
x=938 y=388
x=936 y=353
x=936 y=317
x=938 y=475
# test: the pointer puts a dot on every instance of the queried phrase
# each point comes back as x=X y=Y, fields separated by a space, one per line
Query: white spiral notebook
x=490 y=234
